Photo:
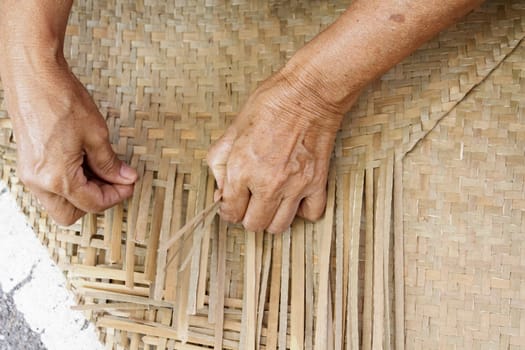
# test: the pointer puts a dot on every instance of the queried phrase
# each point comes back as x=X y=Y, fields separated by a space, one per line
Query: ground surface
x=35 y=305
x=15 y=333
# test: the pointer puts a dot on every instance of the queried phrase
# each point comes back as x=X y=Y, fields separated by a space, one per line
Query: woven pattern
x=465 y=282
x=161 y=271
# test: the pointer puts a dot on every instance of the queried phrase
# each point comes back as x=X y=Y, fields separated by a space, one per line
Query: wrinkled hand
x=64 y=154
x=272 y=162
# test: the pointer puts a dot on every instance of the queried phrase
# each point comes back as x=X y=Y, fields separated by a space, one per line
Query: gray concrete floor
x=35 y=306
x=15 y=333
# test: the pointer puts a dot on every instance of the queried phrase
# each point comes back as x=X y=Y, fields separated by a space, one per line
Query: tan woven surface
x=465 y=242
x=170 y=76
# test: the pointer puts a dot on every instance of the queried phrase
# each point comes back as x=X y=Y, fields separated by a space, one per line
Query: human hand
x=272 y=162
x=64 y=154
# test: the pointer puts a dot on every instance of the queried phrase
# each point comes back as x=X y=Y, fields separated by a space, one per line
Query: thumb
x=106 y=165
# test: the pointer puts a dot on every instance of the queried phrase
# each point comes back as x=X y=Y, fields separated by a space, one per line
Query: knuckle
x=108 y=163
x=230 y=216
x=313 y=215
x=218 y=151
x=267 y=189
x=276 y=229
x=65 y=221
x=306 y=178
x=56 y=184
x=52 y=182
x=26 y=177
x=96 y=208
x=47 y=179
x=279 y=179
x=253 y=226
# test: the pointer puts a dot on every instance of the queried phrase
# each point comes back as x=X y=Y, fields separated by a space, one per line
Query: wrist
x=301 y=100
x=31 y=36
x=335 y=83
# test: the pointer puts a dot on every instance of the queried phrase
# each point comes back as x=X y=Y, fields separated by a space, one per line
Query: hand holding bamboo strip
x=428 y=163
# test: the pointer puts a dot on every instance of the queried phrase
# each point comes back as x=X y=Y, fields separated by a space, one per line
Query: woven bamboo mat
x=419 y=246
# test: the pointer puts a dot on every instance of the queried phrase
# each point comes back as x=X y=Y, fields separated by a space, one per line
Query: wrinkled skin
x=273 y=161
x=64 y=154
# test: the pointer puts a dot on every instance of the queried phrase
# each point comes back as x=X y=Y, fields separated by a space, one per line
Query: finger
x=58 y=208
x=235 y=197
x=312 y=207
x=259 y=213
x=94 y=196
x=106 y=165
x=284 y=215
x=217 y=158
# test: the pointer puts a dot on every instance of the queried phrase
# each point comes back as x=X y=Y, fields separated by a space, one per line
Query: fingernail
x=128 y=172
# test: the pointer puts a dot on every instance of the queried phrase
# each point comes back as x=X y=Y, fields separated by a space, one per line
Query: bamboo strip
x=203 y=266
x=196 y=248
x=108 y=223
x=387 y=221
x=275 y=286
x=135 y=199
x=143 y=207
x=369 y=260
x=250 y=279
x=212 y=299
x=263 y=286
x=321 y=331
x=221 y=270
x=135 y=340
x=110 y=306
x=259 y=246
x=106 y=273
x=90 y=229
x=116 y=234
x=150 y=264
x=341 y=196
x=228 y=302
x=158 y=287
x=106 y=295
x=132 y=218
x=130 y=262
x=183 y=277
x=148 y=328
x=285 y=279
x=379 y=287
x=330 y=326
x=156 y=223
x=309 y=287
x=355 y=209
x=172 y=272
x=109 y=287
x=195 y=256
x=399 y=264
x=228 y=324
x=297 y=290
x=191 y=225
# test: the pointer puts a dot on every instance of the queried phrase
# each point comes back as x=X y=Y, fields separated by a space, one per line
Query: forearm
x=367 y=40
x=31 y=35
